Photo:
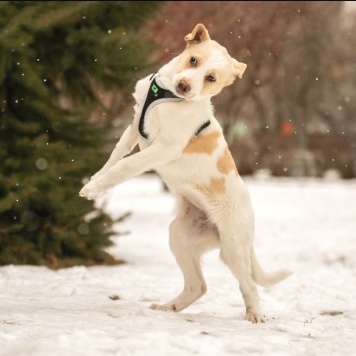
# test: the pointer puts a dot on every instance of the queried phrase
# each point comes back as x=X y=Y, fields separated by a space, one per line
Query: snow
x=308 y=225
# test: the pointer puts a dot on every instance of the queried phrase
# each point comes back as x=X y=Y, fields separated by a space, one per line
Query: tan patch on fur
x=226 y=163
x=216 y=186
x=203 y=144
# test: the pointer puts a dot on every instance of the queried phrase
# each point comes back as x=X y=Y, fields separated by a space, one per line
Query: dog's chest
x=175 y=122
x=205 y=159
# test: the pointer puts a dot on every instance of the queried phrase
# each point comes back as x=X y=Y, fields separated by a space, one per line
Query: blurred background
x=67 y=73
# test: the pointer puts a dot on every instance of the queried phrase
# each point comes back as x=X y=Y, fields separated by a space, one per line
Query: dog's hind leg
x=236 y=253
x=191 y=234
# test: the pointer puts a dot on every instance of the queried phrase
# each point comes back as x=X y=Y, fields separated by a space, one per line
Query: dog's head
x=205 y=67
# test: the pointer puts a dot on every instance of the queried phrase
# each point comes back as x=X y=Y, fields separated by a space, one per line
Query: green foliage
x=54 y=59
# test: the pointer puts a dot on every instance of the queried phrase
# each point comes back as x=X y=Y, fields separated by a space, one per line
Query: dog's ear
x=199 y=34
x=239 y=68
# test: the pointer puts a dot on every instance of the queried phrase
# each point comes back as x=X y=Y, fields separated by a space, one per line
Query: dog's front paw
x=91 y=190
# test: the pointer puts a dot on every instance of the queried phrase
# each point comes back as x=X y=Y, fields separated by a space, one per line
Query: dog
x=181 y=140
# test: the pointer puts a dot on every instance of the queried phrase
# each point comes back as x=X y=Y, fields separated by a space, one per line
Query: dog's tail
x=263 y=278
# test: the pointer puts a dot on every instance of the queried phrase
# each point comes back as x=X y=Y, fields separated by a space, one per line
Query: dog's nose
x=183 y=86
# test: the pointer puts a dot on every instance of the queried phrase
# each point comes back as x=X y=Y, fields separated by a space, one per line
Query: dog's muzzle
x=183 y=87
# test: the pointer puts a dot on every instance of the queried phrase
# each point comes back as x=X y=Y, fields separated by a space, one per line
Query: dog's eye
x=193 y=61
x=210 y=78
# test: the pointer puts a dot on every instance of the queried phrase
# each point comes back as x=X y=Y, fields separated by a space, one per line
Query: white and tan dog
x=181 y=140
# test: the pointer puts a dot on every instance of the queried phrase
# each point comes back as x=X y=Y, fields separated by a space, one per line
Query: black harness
x=157 y=95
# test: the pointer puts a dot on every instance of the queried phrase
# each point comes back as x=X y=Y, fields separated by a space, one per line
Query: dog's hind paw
x=255 y=318
x=164 y=307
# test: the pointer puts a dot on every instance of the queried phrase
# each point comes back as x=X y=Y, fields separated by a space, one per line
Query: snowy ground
x=306 y=225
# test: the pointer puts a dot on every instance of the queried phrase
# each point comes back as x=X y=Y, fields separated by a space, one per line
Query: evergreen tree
x=55 y=57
